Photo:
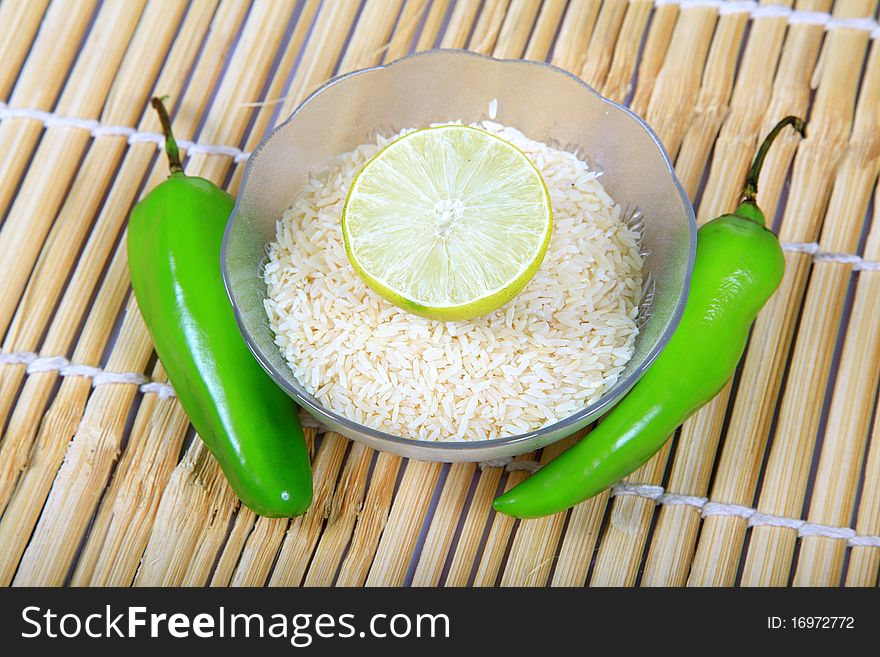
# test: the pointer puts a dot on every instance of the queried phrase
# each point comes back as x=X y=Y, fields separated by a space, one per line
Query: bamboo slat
x=618 y=82
x=675 y=89
x=341 y=518
x=165 y=562
x=325 y=45
x=446 y=517
x=620 y=552
x=721 y=539
x=371 y=522
x=501 y=528
x=533 y=548
x=574 y=35
x=150 y=41
x=748 y=105
x=712 y=101
x=663 y=21
x=604 y=37
x=59 y=152
x=413 y=12
x=516 y=28
x=865 y=560
x=232 y=70
x=675 y=536
x=399 y=538
x=304 y=532
x=373 y=29
x=545 y=30
x=862 y=337
x=258 y=42
x=674 y=93
x=787 y=471
x=22 y=20
x=38 y=86
x=820 y=562
x=253 y=544
x=464 y=553
x=156 y=464
x=242 y=528
x=461 y=24
x=579 y=541
x=433 y=24
x=431 y=28
x=74 y=218
x=69 y=402
x=120 y=531
x=259 y=552
x=488 y=25
x=792 y=90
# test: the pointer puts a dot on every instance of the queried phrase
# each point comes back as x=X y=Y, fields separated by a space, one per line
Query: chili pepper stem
x=171 y=150
x=750 y=191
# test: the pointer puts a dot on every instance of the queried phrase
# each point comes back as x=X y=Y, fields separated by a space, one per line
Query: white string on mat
x=646 y=491
x=707 y=508
x=657 y=494
x=97 y=129
x=660 y=495
x=722 y=509
x=511 y=465
x=814 y=249
x=792 y=16
x=751 y=7
x=239 y=155
x=810 y=248
x=36 y=364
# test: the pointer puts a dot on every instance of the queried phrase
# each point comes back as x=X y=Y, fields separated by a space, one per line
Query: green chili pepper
x=738 y=266
x=246 y=421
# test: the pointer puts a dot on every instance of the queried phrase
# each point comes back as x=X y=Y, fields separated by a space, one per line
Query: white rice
x=555 y=348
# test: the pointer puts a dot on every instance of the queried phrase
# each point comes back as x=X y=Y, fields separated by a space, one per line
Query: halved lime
x=449 y=223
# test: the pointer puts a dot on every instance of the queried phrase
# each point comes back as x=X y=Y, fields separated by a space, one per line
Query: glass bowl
x=545 y=103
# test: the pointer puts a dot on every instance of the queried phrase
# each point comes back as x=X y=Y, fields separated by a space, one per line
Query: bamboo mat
x=776 y=482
